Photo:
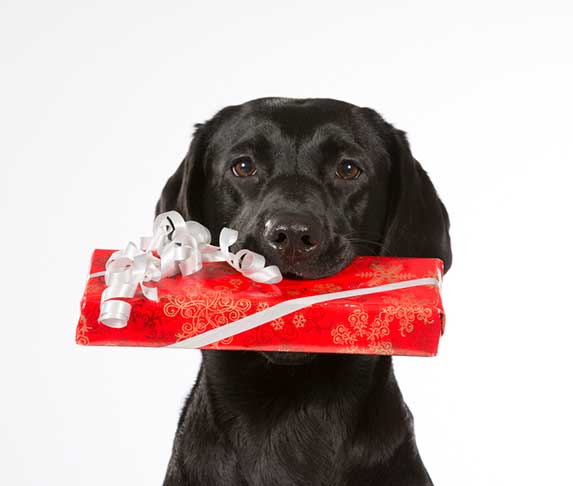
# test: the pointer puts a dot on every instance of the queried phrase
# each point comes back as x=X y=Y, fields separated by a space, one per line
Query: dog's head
x=309 y=183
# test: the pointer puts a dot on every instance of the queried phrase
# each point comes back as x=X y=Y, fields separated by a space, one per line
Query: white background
x=97 y=105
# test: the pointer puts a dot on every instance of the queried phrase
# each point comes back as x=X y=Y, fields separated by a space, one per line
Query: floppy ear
x=182 y=192
x=417 y=222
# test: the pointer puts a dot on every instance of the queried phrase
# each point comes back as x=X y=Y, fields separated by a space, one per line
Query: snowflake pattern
x=361 y=335
x=278 y=324
x=219 y=310
x=298 y=320
x=359 y=328
x=406 y=311
x=382 y=273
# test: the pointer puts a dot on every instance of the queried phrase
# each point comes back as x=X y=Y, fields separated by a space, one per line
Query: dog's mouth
x=300 y=265
x=325 y=265
x=312 y=272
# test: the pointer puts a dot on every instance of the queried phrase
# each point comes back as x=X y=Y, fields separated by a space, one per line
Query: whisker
x=365 y=251
x=363 y=240
x=359 y=239
x=363 y=233
x=367 y=246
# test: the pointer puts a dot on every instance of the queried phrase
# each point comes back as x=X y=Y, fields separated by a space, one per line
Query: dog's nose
x=294 y=234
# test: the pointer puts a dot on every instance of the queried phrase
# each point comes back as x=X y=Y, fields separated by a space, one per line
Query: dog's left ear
x=417 y=223
x=182 y=191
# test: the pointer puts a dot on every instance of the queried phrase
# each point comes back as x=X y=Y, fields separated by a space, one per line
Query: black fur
x=265 y=419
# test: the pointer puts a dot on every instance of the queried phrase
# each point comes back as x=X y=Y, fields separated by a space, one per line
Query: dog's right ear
x=418 y=224
x=182 y=190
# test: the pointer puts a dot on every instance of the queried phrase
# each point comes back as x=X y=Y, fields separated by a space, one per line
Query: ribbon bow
x=181 y=247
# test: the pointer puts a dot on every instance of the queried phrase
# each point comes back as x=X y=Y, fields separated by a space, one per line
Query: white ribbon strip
x=287 y=307
x=182 y=247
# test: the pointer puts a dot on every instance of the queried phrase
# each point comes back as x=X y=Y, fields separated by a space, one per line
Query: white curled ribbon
x=181 y=247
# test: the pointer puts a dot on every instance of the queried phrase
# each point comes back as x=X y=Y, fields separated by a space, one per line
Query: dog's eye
x=347 y=169
x=244 y=167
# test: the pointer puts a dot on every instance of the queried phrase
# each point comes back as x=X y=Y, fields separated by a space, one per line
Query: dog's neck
x=308 y=415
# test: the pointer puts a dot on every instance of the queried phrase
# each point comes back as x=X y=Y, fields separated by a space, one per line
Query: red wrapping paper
x=398 y=322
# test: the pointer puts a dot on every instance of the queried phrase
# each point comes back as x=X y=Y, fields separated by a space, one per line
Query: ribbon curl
x=181 y=247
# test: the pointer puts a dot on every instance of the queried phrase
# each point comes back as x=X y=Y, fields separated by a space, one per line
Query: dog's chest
x=303 y=448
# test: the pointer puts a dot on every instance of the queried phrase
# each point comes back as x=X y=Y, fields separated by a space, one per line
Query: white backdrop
x=97 y=106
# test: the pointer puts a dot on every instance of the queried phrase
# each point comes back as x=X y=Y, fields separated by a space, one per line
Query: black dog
x=310 y=184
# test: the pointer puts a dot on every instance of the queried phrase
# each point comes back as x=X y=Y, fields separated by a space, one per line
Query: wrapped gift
x=376 y=305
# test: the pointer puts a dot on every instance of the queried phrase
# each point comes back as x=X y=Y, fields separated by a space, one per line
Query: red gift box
x=354 y=311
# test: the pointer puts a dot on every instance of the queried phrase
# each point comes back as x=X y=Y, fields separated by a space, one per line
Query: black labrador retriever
x=309 y=183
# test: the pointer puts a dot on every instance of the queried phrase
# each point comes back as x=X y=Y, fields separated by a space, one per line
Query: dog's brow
x=335 y=143
x=331 y=133
x=341 y=145
x=256 y=144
